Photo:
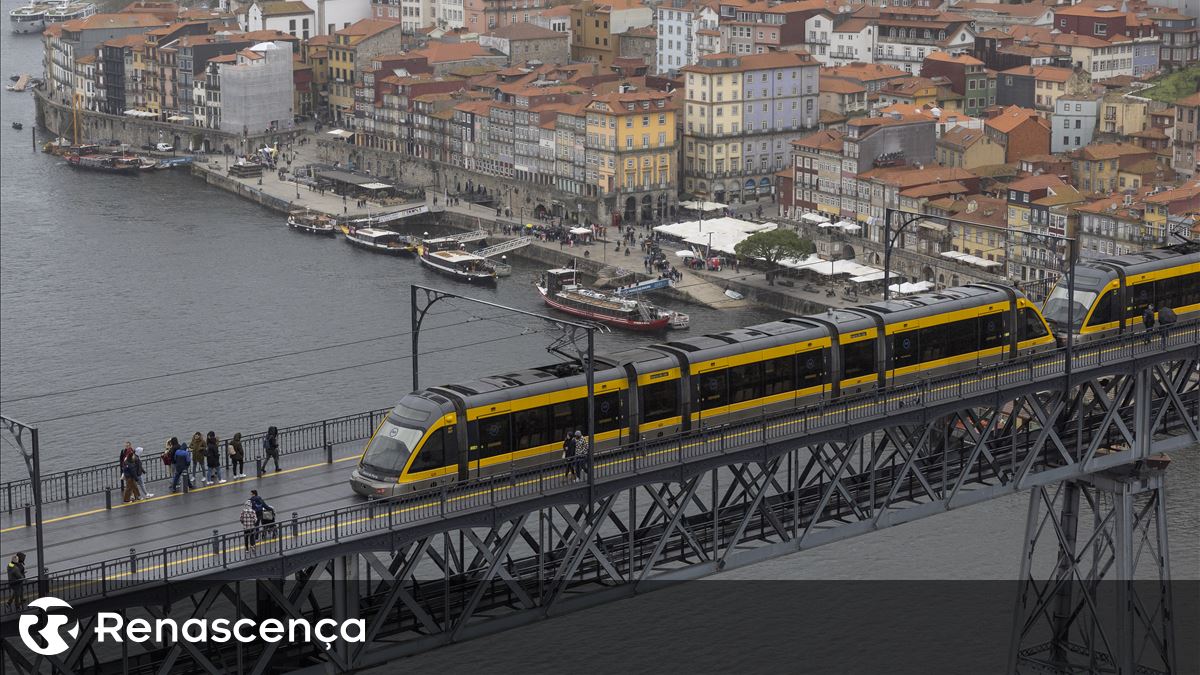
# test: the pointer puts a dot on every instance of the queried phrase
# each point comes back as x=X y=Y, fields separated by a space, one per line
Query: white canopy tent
x=970 y=259
x=703 y=206
x=722 y=233
x=686 y=253
x=340 y=133
x=815 y=218
x=911 y=288
x=866 y=278
x=179 y=118
x=831 y=268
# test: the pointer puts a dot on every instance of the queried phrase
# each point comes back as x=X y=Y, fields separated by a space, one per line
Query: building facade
x=1074 y=122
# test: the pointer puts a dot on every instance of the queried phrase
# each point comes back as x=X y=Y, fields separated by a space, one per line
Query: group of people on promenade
x=200 y=459
x=575 y=450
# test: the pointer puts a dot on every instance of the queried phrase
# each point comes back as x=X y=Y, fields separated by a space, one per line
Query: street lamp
x=889 y=240
x=33 y=464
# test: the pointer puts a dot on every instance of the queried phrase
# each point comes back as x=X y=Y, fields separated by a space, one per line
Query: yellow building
x=353 y=45
x=968 y=149
x=316 y=54
x=1096 y=168
x=632 y=136
x=713 y=120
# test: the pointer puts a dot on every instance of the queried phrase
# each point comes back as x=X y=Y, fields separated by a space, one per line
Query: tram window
x=949 y=339
x=530 y=429
x=711 y=389
x=1103 y=313
x=993 y=330
x=432 y=454
x=745 y=382
x=1189 y=289
x=778 y=377
x=1031 y=326
x=905 y=350
x=608 y=411
x=568 y=416
x=1140 y=296
x=493 y=436
x=810 y=368
x=859 y=358
x=659 y=400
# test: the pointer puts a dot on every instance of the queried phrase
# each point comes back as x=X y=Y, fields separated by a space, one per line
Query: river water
x=108 y=279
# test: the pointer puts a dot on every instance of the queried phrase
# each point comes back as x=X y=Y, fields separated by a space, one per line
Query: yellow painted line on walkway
x=169 y=495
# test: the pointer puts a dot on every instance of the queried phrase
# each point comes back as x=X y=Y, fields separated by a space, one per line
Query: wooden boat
x=445 y=255
x=380 y=241
x=312 y=223
x=105 y=163
x=559 y=290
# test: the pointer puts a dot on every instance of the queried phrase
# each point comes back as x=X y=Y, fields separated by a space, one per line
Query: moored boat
x=380 y=241
x=69 y=11
x=105 y=163
x=312 y=223
x=29 y=18
x=460 y=265
x=560 y=290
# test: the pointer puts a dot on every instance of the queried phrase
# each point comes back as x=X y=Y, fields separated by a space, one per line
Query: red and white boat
x=560 y=290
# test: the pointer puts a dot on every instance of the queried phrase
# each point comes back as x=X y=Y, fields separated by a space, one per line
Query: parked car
x=164 y=147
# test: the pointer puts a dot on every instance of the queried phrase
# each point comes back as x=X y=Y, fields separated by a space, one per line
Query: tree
x=773 y=246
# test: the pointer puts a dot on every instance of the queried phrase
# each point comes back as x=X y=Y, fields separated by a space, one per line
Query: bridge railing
x=223 y=550
x=63 y=486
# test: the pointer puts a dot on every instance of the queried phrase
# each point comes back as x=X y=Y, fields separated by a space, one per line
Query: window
x=711 y=389
x=745 y=382
x=778 y=376
x=530 y=428
x=492 y=437
x=993 y=330
x=432 y=454
x=810 y=369
x=859 y=358
x=609 y=411
x=659 y=400
x=905 y=351
x=1030 y=326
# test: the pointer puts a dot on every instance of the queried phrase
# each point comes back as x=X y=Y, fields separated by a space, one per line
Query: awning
x=851 y=227
x=930 y=225
x=685 y=254
x=969 y=259
x=703 y=206
x=814 y=218
x=374 y=186
x=866 y=278
x=911 y=288
x=179 y=118
x=340 y=133
x=580 y=230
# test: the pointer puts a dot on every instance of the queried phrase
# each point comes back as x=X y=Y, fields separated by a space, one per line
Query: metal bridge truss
x=487 y=569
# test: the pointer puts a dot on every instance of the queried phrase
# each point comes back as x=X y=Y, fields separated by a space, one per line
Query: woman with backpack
x=140 y=470
x=271 y=447
x=212 y=457
x=237 y=457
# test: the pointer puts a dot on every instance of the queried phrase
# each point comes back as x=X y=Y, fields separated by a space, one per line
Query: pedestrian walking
x=129 y=490
x=258 y=504
x=1148 y=321
x=581 y=450
x=16 y=580
x=181 y=459
x=271 y=447
x=212 y=456
x=237 y=457
x=140 y=470
x=196 y=448
x=125 y=453
x=249 y=520
x=569 y=455
x=1166 y=319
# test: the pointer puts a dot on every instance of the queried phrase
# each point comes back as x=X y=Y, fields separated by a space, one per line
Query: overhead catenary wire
x=527 y=331
x=231 y=364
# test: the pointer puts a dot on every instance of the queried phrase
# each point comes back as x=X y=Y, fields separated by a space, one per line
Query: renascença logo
x=42 y=626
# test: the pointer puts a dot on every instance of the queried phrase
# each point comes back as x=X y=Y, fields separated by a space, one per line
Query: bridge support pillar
x=345 y=597
x=1089 y=614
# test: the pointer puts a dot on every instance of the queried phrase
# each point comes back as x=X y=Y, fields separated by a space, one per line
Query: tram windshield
x=1057 y=308
x=390 y=449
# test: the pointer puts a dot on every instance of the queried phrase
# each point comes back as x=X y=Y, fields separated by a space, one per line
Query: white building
x=293 y=17
x=680 y=42
x=247 y=92
x=1074 y=121
x=853 y=40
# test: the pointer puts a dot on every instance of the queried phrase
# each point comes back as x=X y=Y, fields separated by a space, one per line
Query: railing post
x=215 y=543
x=29 y=519
x=132 y=561
x=337 y=533
x=390 y=514
x=166 y=566
x=108 y=498
x=104 y=578
x=325 y=441
x=8 y=492
x=66 y=490
x=442 y=507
